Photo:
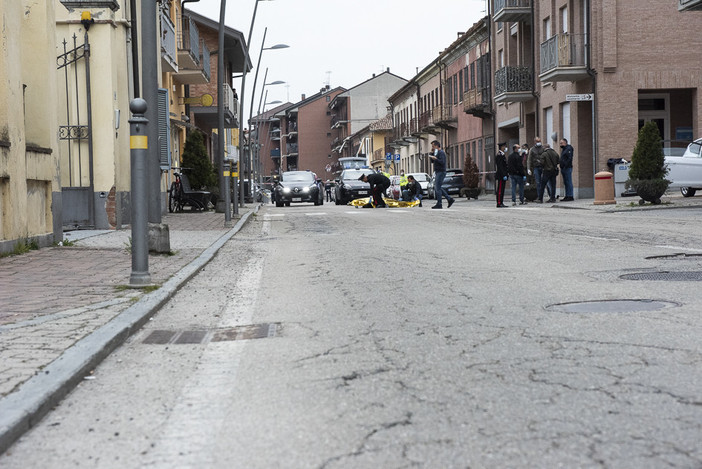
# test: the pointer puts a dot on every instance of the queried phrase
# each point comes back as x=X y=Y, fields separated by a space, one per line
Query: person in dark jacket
x=550 y=161
x=566 y=164
x=412 y=190
x=501 y=175
x=517 y=174
x=379 y=183
x=438 y=157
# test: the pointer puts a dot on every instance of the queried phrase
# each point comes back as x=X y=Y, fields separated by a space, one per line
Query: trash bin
x=621 y=175
x=604 y=188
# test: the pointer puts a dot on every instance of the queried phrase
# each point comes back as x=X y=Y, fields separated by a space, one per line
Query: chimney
x=388 y=69
x=303 y=97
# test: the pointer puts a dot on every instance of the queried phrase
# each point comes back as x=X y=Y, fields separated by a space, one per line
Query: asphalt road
x=335 y=337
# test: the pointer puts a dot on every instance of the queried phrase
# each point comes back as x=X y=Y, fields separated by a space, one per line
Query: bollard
x=139 y=145
x=604 y=188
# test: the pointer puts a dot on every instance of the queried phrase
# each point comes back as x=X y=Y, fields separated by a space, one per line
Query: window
x=455 y=90
x=472 y=75
x=564 y=19
x=547 y=28
x=501 y=58
x=460 y=87
x=449 y=91
x=328 y=98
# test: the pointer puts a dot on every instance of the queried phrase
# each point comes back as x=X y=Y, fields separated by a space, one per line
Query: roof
x=234 y=43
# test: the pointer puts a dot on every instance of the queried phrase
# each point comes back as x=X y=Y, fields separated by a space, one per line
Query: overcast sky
x=342 y=43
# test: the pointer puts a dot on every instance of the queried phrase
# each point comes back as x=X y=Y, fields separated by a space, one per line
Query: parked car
x=298 y=186
x=453 y=183
x=347 y=187
x=423 y=180
x=685 y=172
x=394 y=191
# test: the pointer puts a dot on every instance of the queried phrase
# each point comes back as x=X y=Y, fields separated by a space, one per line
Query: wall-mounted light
x=86 y=19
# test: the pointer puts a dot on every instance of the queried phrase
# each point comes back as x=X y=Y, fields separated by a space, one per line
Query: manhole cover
x=665 y=276
x=613 y=306
x=254 y=331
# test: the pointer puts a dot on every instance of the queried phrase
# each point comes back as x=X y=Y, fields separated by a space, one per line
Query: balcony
x=193 y=56
x=444 y=117
x=477 y=102
x=338 y=120
x=169 y=51
x=563 y=58
x=512 y=11
x=207 y=115
x=275 y=153
x=291 y=149
x=426 y=123
x=514 y=84
x=398 y=134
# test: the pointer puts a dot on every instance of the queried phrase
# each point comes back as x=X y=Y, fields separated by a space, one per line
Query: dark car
x=298 y=186
x=453 y=183
x=348 y=187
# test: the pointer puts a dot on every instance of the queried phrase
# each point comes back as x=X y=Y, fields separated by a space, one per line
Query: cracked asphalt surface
x=409 y=338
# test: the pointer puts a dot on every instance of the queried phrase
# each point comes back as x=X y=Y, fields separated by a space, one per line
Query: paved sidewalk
x=65 y=308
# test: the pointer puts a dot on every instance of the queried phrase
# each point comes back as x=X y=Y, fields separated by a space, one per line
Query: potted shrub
x=197 y=166
x=647 y=171
x=471 y=179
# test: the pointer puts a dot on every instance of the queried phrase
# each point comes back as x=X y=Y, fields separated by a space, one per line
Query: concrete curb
x=25 y=407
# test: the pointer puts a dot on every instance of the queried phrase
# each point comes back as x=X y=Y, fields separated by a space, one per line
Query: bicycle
x=176 y=197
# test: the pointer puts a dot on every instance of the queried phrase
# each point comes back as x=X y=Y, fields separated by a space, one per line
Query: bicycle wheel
x=172 y=198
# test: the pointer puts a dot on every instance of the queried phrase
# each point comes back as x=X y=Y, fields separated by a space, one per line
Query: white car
x=685 y=172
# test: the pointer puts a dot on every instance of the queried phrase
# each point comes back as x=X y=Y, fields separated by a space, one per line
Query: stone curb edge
x=24 y=408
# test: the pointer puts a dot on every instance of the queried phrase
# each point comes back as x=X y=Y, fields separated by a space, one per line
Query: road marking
x=315 y=214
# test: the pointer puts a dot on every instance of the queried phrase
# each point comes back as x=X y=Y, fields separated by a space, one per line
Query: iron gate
x=76 y=137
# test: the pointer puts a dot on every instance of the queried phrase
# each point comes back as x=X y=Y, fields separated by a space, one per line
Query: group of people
x=379 y=184
x=541 y=161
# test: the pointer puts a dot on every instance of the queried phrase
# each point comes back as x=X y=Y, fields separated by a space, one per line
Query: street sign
x=580 y=97
x=397 y=157
x=388 y=156
x=328 y=168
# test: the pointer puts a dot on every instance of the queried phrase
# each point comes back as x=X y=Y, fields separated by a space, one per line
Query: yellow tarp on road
x=391 y=203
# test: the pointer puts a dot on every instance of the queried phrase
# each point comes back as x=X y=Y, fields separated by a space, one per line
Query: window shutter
x=164 y=130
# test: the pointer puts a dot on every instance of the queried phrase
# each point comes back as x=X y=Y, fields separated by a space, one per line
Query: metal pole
x=220 y=117
x=254 y=156
x=241 y=97
x=139 y=158
x=149 y=84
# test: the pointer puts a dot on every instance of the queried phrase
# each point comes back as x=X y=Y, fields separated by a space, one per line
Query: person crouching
x=379 y=183
x=412 y=191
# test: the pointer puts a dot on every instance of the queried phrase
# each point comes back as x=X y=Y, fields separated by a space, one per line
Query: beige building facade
x=29 y=158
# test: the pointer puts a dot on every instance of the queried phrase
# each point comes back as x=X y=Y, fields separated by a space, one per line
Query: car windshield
x=350 y=174
x=420 y=177
x=298 y=176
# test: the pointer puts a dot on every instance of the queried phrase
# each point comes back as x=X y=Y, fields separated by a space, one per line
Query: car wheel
x=278 y=204
x=287 y=204
x=688 y=191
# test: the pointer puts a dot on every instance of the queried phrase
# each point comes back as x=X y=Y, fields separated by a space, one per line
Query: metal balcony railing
x=511 y=10
x=275 y=153
x=513 y=80
x=230 y=103
x=169 y=51
x=190 y=38
x=205 y=61
x=563 y=50
x=291 y=148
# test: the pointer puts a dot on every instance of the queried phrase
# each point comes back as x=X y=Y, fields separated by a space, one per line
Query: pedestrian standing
x=328 y=190
x=535 y=166
x=501 y=174
x=566 y=164
x=550 y=161
x=438 y=157
x=379 y=183
x=517 y=174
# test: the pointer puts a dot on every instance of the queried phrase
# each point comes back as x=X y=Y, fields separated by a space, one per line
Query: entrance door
x=655 y=108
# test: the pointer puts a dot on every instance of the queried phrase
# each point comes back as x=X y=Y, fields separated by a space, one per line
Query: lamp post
x=258 y=66
x=243 y=89
x=256 y=155
x=223 y=166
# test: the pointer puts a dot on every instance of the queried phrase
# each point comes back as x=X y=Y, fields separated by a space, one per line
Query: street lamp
x=243 y=89
x=223 y=166
x=256 y=154
x=253 y=92
x=255 y=157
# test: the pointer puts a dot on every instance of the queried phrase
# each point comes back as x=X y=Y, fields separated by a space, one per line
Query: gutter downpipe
x=537 y=111
x=493 y=109
x=419 y=121
x=593 y=74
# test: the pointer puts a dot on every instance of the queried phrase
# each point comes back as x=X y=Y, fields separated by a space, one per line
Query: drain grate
x=694 y=276
x=255 y=331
